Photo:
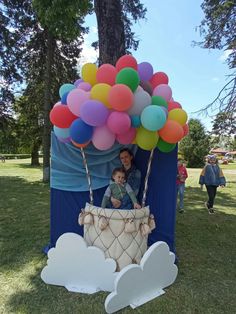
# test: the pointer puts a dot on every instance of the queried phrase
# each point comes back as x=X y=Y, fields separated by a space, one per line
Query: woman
x=132 y=174
x=212 y=176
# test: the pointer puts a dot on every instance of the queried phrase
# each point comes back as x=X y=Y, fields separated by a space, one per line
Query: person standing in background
x=212 y=176
x=182 y=175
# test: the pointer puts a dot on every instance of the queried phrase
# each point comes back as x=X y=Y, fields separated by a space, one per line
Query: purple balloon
x=77 y=82
x=85 y=86
x=94 y=113
x=145 y=71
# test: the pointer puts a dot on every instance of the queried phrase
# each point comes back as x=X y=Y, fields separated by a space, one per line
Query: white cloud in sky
x=77 y=267
x=215 y=79
x=138 y=284
x=225 y=54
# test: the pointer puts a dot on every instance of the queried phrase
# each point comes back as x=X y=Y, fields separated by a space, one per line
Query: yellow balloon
x=100 y=92
x=89 y=72
x=178 y=115
x=146 y=139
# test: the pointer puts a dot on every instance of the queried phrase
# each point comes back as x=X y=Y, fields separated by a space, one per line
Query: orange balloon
x=172 y=132
x=120 y=97
x=80 y=145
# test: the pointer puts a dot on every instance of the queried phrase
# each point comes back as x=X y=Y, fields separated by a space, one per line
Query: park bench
x=2 y=158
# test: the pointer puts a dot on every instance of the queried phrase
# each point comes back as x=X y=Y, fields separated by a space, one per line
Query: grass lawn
x=205 y=244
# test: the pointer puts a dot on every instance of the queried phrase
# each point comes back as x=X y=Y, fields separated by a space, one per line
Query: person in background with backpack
x=212 y=176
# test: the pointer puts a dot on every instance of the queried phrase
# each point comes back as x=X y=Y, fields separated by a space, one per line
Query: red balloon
x=126 y=61
x=186 y=129
x=106 y=73
x=173 y=105
x=120 y=97
x=61 y=116
x=159 y=78
x=172 y=132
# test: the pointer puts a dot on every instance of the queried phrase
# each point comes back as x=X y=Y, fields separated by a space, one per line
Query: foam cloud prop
x=78 y=267
x=138 y=284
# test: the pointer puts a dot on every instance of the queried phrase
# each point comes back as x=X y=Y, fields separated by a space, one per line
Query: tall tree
x=218 y=29
x=196 y=145
x=43 y=60
x=114 y=19
x=61 y=20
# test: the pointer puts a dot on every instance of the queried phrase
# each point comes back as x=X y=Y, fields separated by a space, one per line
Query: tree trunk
x=35 y=154
x=47 y=108
x=110 y=30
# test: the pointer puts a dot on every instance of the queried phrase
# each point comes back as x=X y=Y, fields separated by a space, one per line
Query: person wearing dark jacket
x=212 y=176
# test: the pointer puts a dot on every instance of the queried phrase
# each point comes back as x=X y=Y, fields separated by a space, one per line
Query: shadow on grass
x=29 y=166
x=24 y=210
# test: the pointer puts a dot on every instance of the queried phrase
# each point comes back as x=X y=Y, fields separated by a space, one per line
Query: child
x=121 y=191
x=212 y=176
x=181 y=178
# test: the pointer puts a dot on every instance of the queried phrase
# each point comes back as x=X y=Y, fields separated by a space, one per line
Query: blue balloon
x=135 y=121
x=61 y=133
x=80 y=132
x=66 y=88
x=153 y=118
x=64 y=98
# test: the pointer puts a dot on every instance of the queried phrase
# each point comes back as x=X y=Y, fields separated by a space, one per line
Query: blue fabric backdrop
x=69 y=188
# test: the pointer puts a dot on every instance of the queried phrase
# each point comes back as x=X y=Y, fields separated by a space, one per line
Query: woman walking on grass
x=212 y=176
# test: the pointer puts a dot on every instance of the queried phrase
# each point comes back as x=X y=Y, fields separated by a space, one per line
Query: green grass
x=205 y=247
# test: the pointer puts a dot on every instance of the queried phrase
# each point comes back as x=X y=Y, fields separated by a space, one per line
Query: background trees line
x=41 y=44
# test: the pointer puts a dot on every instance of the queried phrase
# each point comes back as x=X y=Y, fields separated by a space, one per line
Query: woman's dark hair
x=114 y=172
x=126 y=149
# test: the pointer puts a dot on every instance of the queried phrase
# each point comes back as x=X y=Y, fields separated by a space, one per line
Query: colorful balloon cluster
x=127 y=103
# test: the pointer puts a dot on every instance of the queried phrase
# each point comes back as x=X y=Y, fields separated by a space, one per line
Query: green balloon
x=129 y=77
x=146 y=139
x=159 y=101
x=165 y=147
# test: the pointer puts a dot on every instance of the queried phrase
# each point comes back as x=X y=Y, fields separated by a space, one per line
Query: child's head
x=180 y=162
x=118 y=175
x=212 y=159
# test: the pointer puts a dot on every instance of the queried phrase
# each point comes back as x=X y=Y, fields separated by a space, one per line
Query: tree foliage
x=196 y=145
x=218 y=29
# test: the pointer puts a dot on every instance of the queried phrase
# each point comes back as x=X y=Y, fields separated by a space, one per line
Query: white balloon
x=141 y=100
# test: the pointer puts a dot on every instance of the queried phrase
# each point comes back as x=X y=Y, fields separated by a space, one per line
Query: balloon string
x=88 y=176
x=146 y=178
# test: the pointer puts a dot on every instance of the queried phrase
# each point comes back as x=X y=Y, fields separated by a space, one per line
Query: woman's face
x=126 y=159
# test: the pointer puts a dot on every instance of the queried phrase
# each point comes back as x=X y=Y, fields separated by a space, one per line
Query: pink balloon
x=84 y=86
x=127 y=137
x=163 y=90
x=75 y=99
x=118 y=122
x=103 y=138
x=106 y=73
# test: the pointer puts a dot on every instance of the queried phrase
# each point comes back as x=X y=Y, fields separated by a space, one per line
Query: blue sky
x=196 y=75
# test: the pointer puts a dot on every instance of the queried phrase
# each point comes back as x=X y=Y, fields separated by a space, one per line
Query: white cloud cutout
x=225 y=54
x=138 y=284
x=77 y=267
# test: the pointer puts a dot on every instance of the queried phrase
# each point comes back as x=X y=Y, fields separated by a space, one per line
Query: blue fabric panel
x=68 y=171
x=161 y=195
x=65 y=209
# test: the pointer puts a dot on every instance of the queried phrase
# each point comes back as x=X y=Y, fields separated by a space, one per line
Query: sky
x=196 y=75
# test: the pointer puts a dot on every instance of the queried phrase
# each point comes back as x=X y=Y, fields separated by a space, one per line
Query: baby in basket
x=120 y=190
